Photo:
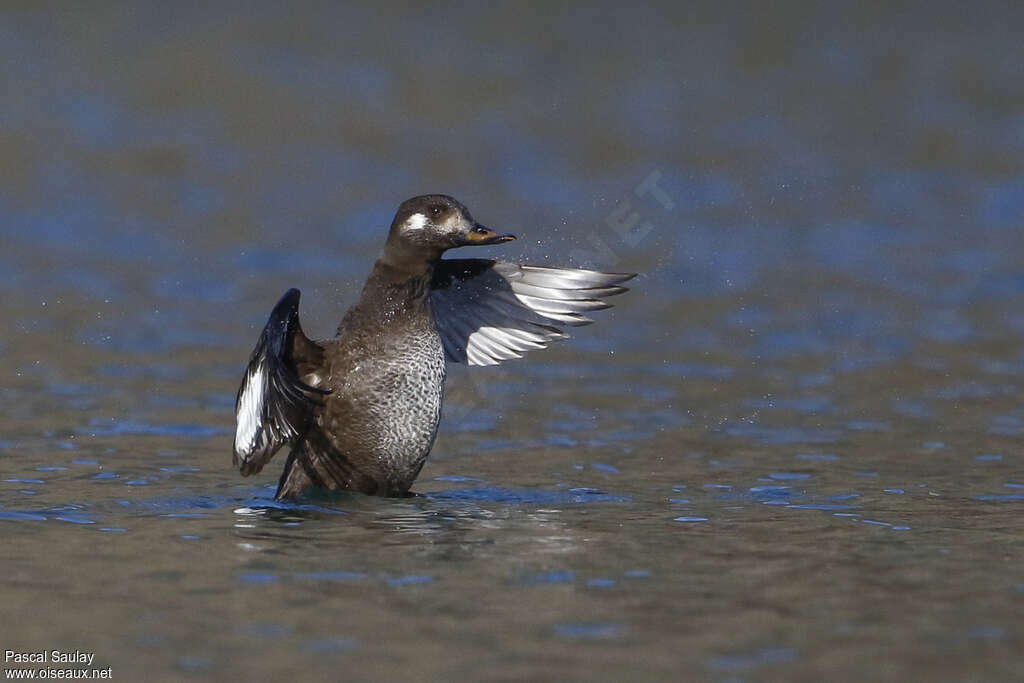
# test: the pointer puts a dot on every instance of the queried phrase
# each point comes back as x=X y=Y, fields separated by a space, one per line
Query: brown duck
x=360 y=411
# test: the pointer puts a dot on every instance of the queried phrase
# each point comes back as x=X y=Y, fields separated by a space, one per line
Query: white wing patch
x=416 y=222
x=508 y=309
x=249 y=417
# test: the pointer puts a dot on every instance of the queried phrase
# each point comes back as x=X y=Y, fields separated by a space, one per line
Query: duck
x=360 y=412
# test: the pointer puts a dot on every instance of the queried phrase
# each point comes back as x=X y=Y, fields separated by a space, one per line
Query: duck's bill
x=480 y=236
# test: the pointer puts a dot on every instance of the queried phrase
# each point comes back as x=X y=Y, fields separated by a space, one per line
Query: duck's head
x=434 y=223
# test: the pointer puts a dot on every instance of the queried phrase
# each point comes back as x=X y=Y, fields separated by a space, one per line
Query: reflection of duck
x=361 y=410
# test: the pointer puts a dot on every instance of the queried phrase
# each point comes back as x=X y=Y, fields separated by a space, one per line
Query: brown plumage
x=361 y=410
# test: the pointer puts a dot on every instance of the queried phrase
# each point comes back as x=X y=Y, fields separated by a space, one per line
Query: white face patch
x=416 y=222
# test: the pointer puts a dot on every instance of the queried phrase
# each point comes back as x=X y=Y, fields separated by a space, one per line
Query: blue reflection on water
x=590 y=630
x=527 y=496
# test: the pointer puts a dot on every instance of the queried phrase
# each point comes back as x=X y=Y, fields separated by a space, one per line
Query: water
x=792 y=452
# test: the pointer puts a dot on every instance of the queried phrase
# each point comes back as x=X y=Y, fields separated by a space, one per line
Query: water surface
x=792 y=452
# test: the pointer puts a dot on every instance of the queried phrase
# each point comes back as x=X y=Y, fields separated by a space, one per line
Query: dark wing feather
x=489 y=311
x=273 y=405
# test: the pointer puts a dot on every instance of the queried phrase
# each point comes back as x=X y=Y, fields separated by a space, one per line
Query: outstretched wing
x=273 y=405
x=489 y=311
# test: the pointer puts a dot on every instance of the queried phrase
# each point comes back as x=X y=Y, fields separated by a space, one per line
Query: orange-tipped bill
x=480 y=235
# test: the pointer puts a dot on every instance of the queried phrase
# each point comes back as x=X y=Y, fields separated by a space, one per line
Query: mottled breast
x=386 y=402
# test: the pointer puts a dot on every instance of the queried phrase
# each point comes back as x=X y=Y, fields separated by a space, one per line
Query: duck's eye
x=480 y=229
x=435 y=211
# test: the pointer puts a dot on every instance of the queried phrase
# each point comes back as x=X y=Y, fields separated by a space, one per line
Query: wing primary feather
x=520 y=287
x=490 y=311
x=569 y=278
x=562 y=305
